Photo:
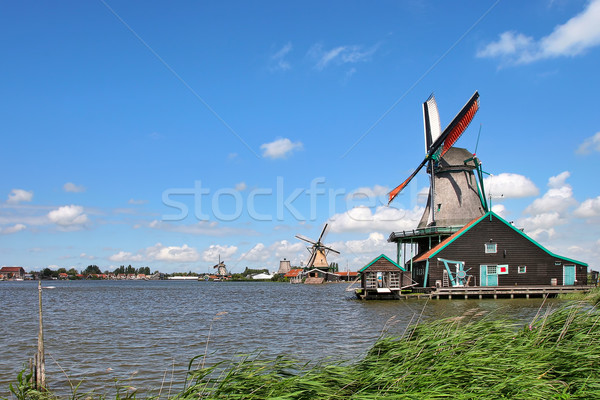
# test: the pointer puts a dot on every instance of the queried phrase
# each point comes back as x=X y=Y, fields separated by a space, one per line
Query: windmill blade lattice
x=446 y=140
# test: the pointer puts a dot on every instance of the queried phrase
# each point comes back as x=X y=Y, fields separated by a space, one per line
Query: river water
x=144 y=333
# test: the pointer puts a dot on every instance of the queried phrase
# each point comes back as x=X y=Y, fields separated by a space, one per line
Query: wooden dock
x=504 y=292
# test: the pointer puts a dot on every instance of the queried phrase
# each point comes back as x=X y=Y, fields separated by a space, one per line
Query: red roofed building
x=347 y=275
x=12 y=272
x=294 y=275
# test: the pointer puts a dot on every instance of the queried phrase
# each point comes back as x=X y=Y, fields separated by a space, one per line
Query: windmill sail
x=446 y=140
x=431 y=122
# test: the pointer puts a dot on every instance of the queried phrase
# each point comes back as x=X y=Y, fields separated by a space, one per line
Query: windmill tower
x=455 y=194
x=318 y=252
x=221 y=268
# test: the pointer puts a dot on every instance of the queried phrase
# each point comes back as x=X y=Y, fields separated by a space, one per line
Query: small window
x=522 y=269
x=557 y=263
x=491 y=270
x=491 y=247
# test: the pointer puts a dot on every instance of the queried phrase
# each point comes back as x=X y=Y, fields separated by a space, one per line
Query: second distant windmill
x=318 y=252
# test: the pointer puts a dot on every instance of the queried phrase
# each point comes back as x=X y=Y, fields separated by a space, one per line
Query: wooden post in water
x=40 y=362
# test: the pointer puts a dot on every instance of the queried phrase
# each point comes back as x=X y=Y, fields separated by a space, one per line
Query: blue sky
x=160 y=134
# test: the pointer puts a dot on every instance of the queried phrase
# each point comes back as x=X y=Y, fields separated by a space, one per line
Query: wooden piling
x=40 y=361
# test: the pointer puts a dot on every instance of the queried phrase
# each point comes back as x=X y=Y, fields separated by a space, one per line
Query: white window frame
x=522 y=269
x=489 y=250
x=491 y=268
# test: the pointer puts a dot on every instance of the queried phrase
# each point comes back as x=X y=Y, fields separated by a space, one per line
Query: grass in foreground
x=557 y=356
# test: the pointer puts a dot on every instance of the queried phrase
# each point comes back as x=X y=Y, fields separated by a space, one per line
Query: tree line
x=93 y=270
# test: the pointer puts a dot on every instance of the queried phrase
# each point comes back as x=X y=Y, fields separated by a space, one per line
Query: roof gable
x=443 y=244
x=387 y=260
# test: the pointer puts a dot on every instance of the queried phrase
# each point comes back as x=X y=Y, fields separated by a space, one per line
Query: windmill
x=455 y=195
x=220 y=267
x=318 y=252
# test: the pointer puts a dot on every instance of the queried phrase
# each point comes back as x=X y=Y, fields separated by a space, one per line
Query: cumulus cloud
x=279 y=148
x=73 y=188
x=159 y=252
x=125 y=256
x=17 y=196
x=215 y=251
x=12 y=229
x=559 y=180
x=507 y=185
x=589 y=145
x=278 y=61
x=275 y=251
x=349 y=54
x=258 y=253
x=549 y=211
x=68 y=216
x=543 y=221
x=172 y=253
x=588 y=209
x=387 y=219
x=572 y=38
x=558 y=198
x=359 y=252
x=500 y=209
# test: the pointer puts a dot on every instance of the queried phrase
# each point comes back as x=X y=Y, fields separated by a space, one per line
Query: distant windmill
x=455 y=195
x=220 y=267
x=318 y=252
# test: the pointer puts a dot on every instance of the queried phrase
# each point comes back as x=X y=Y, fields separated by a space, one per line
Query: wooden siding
x=513 y=249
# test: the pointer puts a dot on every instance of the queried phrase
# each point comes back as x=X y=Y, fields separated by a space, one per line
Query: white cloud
x=590 y=145
x=278 y=61
x=359 y=252
x=375 y=242
x=125 y=256
x=559 y=180
x=12 y=229
x=258 y=253
x=500 y=209
x=73 y=188
x=276 y=251
x=68 y=216
x=183 y=253
x=557 y=199
x=349 y=54
x=159 y=252
x=543 y=221
x=572 y=38
x=588 y=209
x=507 y=185
x=279 y=148
x=387 y=219
x=18 y=195
x=240 y=187
x=215 y=251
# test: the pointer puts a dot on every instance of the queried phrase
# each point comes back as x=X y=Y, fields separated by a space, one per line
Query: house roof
x=292 y=273
x=346 y=273
x=446 y=242
x=11 y=269
x=378 y=258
